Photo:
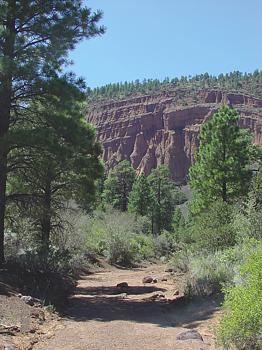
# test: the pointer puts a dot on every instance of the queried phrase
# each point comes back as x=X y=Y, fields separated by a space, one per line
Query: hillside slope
x=162 y=127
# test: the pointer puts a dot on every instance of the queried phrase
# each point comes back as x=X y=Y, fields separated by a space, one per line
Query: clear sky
x=160 y=38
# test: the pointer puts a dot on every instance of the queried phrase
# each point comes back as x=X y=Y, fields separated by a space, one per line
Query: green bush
x=212 y=229
x=247 y=220
x=50 y=279
x=144 y=247
x=241 y=326
x=180 y=261
x=165 y=243
x=96 y=236
x=119 y=249
x=208 y=273
x=120 y=237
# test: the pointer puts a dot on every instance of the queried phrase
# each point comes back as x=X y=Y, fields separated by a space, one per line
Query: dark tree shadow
x=92 y=304
x=132 y=290
x=4 y=289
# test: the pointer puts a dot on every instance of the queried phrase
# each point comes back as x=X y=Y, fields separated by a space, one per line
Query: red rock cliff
x=155 y=129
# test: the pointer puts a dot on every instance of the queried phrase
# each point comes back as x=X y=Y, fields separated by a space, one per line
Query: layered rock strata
x=155 y=129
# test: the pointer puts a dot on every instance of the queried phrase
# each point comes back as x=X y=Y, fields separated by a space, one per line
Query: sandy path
x=101 y=318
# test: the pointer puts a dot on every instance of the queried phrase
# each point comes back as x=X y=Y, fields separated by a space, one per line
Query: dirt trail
x=101 y=317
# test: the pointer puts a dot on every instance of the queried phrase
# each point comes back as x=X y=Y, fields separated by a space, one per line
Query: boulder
x=189 y=335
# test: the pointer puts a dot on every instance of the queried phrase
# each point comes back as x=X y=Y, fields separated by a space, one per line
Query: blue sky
x=160 y=38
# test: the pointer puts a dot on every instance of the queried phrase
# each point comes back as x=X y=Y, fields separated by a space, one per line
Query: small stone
x=164 y=279
x=177 y=298
x=157 y=296
x=28 y=300
x=176 y=292
x=38 y=314
x=122 y=285
x=9 y=347
x=169 y=269
x=189 y=335
x=148 y=279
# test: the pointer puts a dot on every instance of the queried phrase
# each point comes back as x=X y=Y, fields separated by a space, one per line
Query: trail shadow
x=4 y=289
x=135 y=290
x=92 y=304
x=134 y=267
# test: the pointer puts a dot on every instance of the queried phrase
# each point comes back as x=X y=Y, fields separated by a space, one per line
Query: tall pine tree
x=222 y=166
x=61 y=163
x=36 y=36
x=141 y=197
x=119 y=184
x=165 y=198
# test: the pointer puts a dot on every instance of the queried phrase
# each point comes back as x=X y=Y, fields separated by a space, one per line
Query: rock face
x=157 y=129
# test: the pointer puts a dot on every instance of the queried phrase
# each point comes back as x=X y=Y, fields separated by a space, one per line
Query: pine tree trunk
x=124 y=198
x=224 y=183
x=5 y=110
x=5 y=114
x=3 y=174
x=224 y=191
x=46 y=220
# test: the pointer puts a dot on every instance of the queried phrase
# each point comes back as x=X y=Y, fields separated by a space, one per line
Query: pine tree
x=35 y=39
x=178 y=220
x=221 y=170
x=61 y=163
x=164 y=199
x=141 y=196
x=119 y=184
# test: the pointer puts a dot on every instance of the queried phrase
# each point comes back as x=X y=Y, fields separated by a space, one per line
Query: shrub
x=165 y=244
x=50 y=280
x=120 y=237
x=241 y=325
x=144 y=247
x=96 y=235
x=213 y=228
x=180 y=261
x=248 y=221
x=208 y=273
x=120 y=250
